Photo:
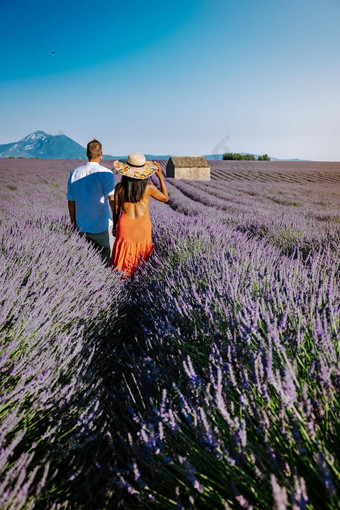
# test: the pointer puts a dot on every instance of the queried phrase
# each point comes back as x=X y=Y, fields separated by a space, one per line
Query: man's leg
x=102 y=242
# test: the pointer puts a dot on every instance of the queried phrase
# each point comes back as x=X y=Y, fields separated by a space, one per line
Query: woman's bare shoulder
x=149 y=188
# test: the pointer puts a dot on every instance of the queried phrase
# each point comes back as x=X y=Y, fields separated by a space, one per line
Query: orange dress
x=133 y=242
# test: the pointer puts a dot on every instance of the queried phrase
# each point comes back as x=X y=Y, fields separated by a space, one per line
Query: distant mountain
x=44 y=146
x=152 y=157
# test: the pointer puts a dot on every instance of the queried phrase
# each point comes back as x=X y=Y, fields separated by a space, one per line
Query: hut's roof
x=189 y=162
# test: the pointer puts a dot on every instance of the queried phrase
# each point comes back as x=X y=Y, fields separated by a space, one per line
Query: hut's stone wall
x=195 y=169
x=194 y=174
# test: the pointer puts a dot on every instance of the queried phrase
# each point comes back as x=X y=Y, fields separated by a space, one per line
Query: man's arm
x=72 y=211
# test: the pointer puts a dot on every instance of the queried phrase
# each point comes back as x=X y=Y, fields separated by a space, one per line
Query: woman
x=131 y=221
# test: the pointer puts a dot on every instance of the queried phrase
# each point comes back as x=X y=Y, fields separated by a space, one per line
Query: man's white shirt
x=89 y=186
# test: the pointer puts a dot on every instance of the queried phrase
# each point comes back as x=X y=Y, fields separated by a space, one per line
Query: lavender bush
x=58 y=305
x=210 y=379
x=291 y=216
x=232 y=387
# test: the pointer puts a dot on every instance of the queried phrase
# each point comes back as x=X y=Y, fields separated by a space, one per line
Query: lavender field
x=209 y=380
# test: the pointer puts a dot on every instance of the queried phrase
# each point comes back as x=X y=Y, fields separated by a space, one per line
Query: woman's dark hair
x=133 y=189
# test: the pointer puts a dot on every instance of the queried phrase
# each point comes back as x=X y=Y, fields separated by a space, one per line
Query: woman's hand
x=162 y=195
x=159 y=172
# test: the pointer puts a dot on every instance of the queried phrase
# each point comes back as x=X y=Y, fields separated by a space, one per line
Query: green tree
x=238 y=157
x=265 y=157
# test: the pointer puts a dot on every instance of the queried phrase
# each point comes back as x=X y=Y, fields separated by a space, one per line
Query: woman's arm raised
x=162 y=195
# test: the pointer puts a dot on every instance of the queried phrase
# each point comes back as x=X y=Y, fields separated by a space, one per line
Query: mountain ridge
x=45 y=146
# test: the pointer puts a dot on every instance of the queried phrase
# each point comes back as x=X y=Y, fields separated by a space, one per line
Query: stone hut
x=195 y=169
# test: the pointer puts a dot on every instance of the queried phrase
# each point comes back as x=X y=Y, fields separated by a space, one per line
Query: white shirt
x=89 y=186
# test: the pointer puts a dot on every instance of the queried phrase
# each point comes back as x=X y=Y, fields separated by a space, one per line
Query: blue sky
x=185 y=77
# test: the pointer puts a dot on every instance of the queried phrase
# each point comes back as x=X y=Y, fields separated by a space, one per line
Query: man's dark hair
x=133 y=189
x=94 y=149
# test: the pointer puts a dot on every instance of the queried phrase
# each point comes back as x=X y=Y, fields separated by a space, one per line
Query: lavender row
x=58 y=303
x=289 y=227
x=297 y=172
x=208 y=381
x=232 y=388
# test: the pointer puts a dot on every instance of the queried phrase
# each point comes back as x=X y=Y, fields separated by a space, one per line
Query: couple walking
x=90 y=193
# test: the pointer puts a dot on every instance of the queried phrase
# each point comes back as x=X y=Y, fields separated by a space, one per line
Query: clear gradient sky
x=181 y=77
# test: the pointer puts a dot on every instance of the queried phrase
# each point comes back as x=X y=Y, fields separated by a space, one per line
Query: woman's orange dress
x=133 y=242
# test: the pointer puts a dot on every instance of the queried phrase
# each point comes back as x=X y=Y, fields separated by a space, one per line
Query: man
x=90 y=190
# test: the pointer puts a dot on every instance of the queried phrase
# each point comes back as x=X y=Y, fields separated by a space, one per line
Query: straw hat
x=136 y=166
